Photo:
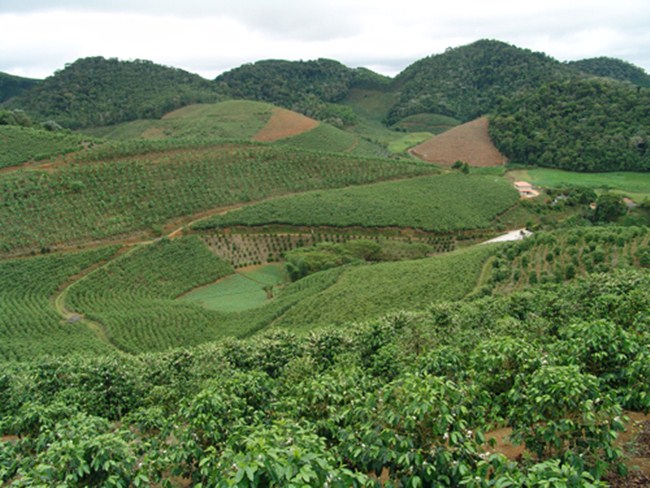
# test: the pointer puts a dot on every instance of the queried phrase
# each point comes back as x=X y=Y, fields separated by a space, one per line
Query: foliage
x=609 y=207
x=465 y=82
x=132 y=296
x=436 y=203
x=97 y=91
x=580 y=125
x=613 y=68
x=21 y=144
x=11 y=86
x=30 y=325
x=146 y=186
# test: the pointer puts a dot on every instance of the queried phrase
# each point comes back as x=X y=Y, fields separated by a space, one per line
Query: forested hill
x=11 y=86
x=613 y=68
x=466 y=81
x=580 y=125
x=309 y=87
x=97 y=91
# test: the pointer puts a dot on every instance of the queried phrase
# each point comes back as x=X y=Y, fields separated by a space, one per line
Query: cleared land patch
x=469 y=143
x=284 y=123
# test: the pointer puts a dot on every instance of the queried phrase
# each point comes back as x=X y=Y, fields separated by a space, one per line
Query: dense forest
x=97 y=91
x=465 y=82
x=613 y=68
x=313 y=88
x=579 y=125
x=11 y=86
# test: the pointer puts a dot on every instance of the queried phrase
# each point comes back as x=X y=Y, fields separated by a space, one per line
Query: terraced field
x=140 y=189
x=441 y=203
x=30 y=325
x=22 y=144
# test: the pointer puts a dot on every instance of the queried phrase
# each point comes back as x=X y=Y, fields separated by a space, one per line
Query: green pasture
x=240 y=291
x=634 y=185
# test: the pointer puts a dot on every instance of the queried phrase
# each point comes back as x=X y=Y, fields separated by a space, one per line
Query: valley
x=280 y=277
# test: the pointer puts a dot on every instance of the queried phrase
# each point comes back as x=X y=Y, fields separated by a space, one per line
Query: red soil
x=284 y=123
x=469 y=143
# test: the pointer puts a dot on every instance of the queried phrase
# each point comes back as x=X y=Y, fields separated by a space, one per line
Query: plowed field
x=284 y=123
x=469 y=143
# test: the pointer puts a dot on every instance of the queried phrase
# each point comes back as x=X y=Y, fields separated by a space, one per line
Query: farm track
x=70 y=316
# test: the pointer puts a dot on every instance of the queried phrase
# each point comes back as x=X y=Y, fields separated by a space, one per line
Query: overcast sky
x=38 y=37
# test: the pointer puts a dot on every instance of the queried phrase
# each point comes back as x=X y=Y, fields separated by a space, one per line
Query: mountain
x=580 y=125
x=313 y=88
x=11 y=86
x=613 y=68
x=97 y=91
x=465 y=82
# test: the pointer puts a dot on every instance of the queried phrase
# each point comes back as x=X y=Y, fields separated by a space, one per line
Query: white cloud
x=208 y=37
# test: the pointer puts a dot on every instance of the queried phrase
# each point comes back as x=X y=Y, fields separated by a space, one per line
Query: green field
x=133 y=296
x=635 y=185
x=241 y=291
x=22 y=144
x=326 y=137
x=436 y=203
x=234 y=119
x=30 y=325
x=407 y=141
x=80 y=202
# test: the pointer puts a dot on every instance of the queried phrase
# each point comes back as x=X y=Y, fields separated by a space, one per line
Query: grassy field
x=635 y=185
x=233 y=119
x=435 y=203
x=86 y=201
x=407 y=141
x=22 y=144
x=30 y=326
x=241 y=291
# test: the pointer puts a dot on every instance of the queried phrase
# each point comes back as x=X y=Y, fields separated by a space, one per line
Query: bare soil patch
x=284 y=123
x=469 y=143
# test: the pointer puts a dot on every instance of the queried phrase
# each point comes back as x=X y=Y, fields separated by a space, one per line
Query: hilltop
x=616 y=69
x=98 y=91
x=11 y=86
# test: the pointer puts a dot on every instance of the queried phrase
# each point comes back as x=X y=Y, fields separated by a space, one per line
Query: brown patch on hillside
x=469 y=143
x=284 y=123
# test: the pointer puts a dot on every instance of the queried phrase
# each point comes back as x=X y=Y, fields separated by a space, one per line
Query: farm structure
x=525 y=189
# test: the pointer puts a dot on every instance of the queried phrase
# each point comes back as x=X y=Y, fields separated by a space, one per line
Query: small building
x=525 y=189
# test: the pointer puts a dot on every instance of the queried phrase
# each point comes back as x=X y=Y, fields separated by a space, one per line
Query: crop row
x=29 y=324
x=561 y=256
x=133 y=296
x=80 y=202
x=438 y=203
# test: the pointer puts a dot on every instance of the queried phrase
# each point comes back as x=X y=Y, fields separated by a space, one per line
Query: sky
x=38 y=37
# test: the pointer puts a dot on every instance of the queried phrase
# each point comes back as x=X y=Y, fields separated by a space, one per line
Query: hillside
x=97 y=91
x=313 y=88
x=12 y=86
x=466 y=82
x=613 y=68
x=578 y=125
x=469 y=143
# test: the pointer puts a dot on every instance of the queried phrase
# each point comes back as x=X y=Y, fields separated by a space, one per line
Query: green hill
x=613 y=68
x=97 y=91
x=466 y=82
x=12 y=86
x=313 y=88
x=232 y=119
x=579 y=125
